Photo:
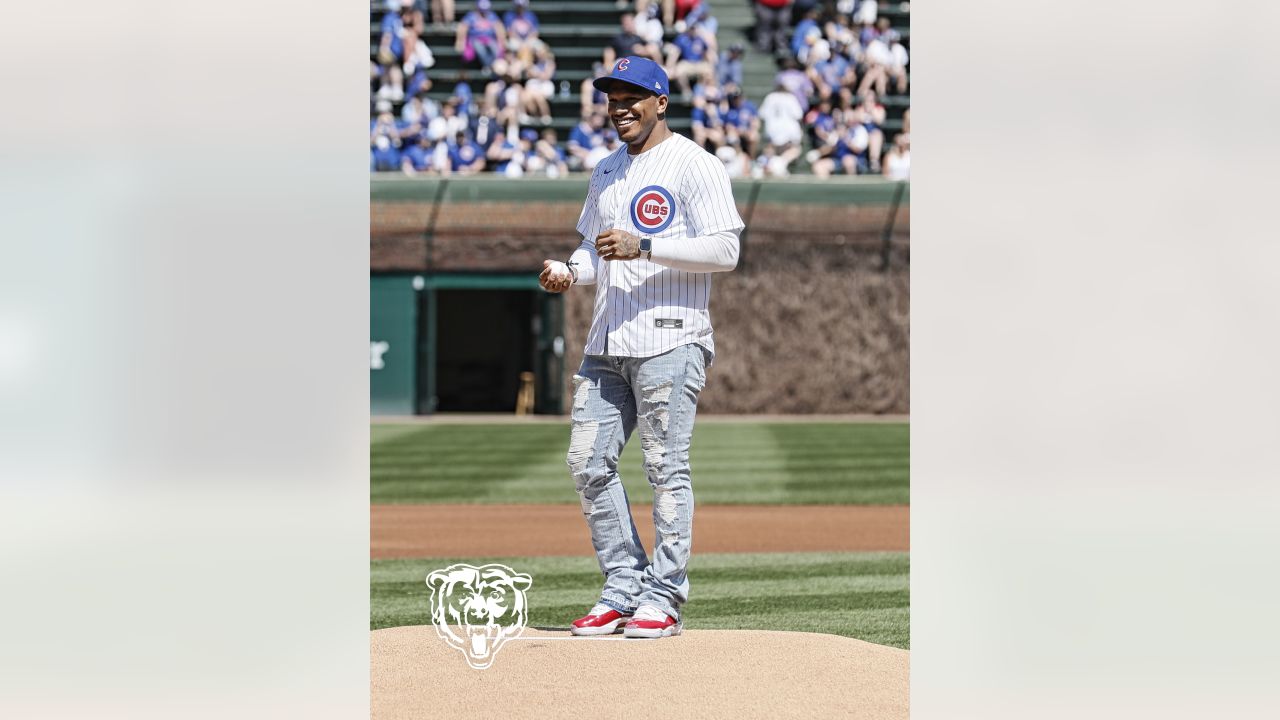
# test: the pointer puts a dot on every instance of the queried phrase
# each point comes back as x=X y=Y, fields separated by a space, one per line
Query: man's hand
x=617 y=245
x=555 y=277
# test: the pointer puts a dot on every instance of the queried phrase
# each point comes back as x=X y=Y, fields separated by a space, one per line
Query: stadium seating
x=577 y=32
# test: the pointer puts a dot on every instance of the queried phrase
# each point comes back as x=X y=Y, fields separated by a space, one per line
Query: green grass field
x=860 y=595
x=828 y=463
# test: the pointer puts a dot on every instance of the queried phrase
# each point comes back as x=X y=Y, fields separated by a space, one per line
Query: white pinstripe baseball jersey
x=679 y=195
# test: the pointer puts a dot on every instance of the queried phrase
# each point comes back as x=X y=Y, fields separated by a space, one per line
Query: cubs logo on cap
x=653 y=209
x=637 y=71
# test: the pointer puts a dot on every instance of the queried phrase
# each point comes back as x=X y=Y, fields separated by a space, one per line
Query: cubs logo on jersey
x=653 y=209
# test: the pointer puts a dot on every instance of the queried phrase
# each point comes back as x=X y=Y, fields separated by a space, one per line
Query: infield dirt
x=729 y=674
x=405 y=531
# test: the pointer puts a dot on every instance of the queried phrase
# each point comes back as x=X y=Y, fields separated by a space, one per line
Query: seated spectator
x=545 y=157
x=884 y=58
x=742 y=123
x=689 y=57
x=838 y=29
x=442 y=12
x=832 y=76
x=611 y=144
x=794 y=80
x=413 y=122
x=736 y=162
x=399 y=35
x=821 y=121
x=420 y=110
x=707 y=119
x=808 y=20
x=521 y=25
x=466 y=157
x=781 y=113
x=384 y=157
x=729 y=71
x=773 y=18
x=897 y=162
x=701 y=17
x=539 y=87
x=505 y=155
x=628 y=42
x=392 y=88
x=897 y=67
x=813 y=48
x=417 y=15
x=677 y=10
x=585 y=139
x=384 y=123
x=774 y=162
x=870 y=115
x=649 y=24
x=591 y=99
x=419 y=158
x=449 y=123
x=865 y=13
x=503 y=96
x=419 y=59
x=481 y=37
x=384 y=139
x=867 y=33
x=462 y=93
x=509 y=100
x=845 y=150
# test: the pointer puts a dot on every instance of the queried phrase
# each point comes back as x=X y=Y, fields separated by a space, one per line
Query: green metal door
x=393 y=353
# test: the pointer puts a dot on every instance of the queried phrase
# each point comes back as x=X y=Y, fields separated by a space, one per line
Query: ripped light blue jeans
x=613 y=396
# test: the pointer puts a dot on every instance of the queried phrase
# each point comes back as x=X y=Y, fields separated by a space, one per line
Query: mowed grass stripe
x=733 y=463
x=862 y=595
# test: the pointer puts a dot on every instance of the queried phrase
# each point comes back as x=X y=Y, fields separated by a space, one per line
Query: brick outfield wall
x=808 y=323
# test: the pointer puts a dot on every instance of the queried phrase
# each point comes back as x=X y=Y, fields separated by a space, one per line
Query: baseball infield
x=729 y=674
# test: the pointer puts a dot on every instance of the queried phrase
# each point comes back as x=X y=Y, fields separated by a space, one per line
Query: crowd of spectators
x=834 y=65
x=503 y=127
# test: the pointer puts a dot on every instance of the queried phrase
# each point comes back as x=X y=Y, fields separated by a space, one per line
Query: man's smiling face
x=634 y=112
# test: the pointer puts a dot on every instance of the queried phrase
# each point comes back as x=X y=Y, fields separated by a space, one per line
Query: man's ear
x=662 y=105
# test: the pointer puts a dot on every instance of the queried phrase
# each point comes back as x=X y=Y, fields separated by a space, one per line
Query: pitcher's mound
x=699 y=674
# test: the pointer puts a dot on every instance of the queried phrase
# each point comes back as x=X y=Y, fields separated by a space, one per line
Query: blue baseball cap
x=638 y=71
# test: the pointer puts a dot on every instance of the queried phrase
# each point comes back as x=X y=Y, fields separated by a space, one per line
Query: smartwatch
x=646 y=247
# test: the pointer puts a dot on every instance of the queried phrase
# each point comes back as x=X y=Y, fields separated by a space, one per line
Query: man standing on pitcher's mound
x=658 y=220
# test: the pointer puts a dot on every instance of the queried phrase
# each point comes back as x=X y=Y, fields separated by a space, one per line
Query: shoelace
x=649 y=612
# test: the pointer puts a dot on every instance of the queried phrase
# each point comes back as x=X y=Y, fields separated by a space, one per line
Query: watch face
x=646 y=244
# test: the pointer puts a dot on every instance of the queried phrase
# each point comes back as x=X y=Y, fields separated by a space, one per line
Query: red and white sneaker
x=650 y=622
x=602 y=620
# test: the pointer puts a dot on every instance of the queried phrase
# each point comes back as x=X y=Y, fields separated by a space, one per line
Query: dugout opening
x=480 y=333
